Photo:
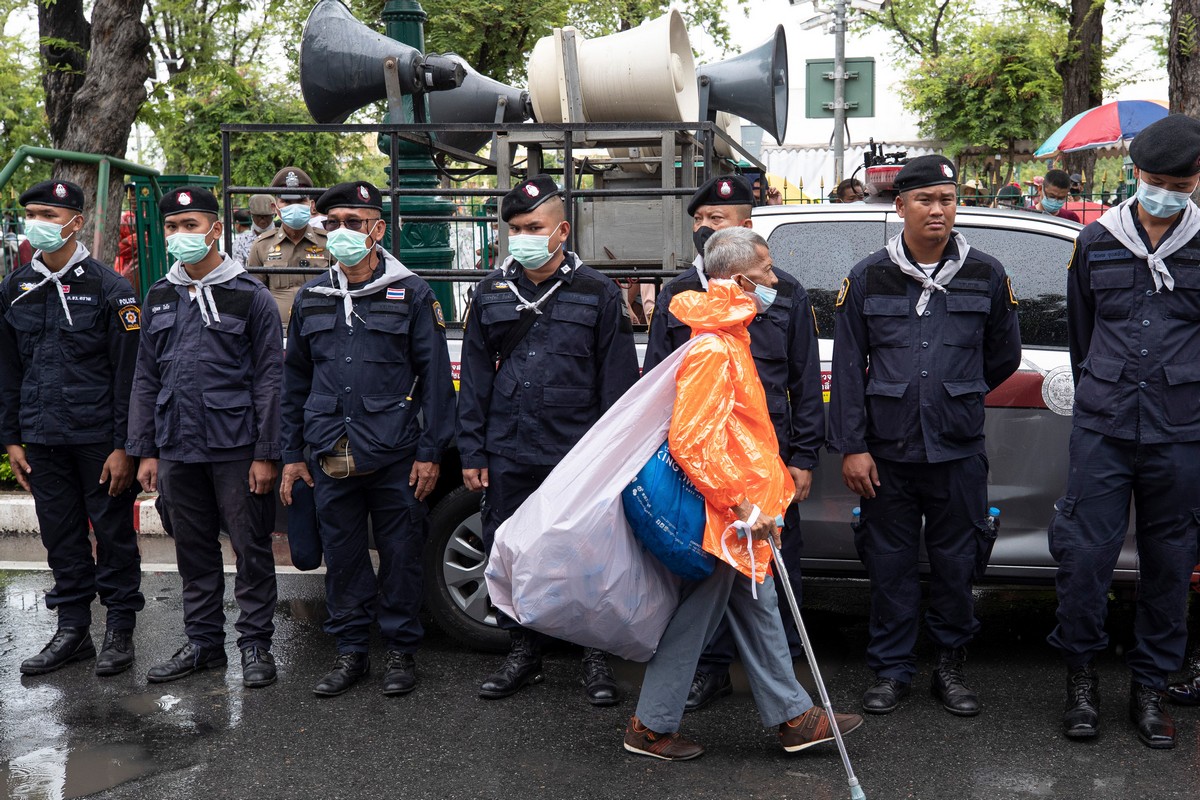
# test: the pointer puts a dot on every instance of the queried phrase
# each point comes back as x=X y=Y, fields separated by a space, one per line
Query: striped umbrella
x=1102 y=126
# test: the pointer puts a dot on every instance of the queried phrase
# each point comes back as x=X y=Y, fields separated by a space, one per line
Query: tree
x=922 y=29
x=93 y=74
x=22 y=107
x=1000 y=88
x=1183 y=57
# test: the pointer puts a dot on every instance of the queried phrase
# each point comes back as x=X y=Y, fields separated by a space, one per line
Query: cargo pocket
x=1097 y=385
x=386 y=417
x=963 y=419
x=1181 y=398
x=1064 y=510
x=985 y=540
x=87 y=407
x=228 y=419
x=885 y=407
x=166 y=418
x=322 y=425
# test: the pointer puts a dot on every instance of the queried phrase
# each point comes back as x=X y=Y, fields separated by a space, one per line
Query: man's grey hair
x=730 y=251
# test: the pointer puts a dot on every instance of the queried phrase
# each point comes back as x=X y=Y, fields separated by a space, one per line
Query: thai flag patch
x=395 y=294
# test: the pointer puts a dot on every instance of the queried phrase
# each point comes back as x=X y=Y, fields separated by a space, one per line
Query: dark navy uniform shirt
x=1135 y=351
x=208 y=393
x=576 y=360
x=911 y=388
x=783 y=342
x=67 y=383
x=357 y=381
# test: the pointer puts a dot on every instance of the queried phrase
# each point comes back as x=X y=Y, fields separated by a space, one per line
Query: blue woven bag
x=666 y=512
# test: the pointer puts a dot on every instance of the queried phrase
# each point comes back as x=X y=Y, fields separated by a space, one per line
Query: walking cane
x=856 y=792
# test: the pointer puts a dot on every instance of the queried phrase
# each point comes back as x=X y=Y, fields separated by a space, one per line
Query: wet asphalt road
x=70 y=734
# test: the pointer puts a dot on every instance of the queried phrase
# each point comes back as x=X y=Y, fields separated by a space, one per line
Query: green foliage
x=922 y=29
x=22 y=108
x=1001 y=87
x=7 y=481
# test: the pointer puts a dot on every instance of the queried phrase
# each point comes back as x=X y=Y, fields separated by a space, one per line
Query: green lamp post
x=423 y=245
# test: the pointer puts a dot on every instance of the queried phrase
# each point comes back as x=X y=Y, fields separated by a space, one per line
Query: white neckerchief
x=570 y=262
x=393 y=271
x=40 y=268
x=698 y=263
x=1119 y=222
x=895 y=250
x=228 y=269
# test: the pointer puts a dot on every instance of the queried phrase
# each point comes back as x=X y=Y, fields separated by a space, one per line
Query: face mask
x=295 y=216
x=531 y=251
x=1160 y=202
x=254 y=227
x=45 y=236
x=764 y=296
x=1052 y=206
x=347 y=246
x=700 y=237
x=189 y=248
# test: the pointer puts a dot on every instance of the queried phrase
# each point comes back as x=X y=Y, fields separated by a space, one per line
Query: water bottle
x=856 y=518
x=985 y=541
x=993 y=520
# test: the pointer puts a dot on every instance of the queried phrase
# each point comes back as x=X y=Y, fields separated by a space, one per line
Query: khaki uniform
x=275 y=249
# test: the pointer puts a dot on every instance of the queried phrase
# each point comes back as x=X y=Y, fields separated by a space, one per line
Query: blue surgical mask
x=1052 y=206
x=764 y=296
x=531 y=251
x=45 y=236
x=1160 y=202
x=296 y=215
x=190 y=248
x=347 y=246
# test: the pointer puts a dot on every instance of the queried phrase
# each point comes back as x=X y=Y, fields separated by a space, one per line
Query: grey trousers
x=761 y=641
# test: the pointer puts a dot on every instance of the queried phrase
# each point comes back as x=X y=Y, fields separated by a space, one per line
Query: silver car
x=1028 y=417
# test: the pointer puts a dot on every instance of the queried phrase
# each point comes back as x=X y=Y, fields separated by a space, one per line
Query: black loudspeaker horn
x=342 y=65
x=753 y=85
x=476 y=100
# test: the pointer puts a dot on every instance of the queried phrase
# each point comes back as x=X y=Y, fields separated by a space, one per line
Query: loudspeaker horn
x=341 y=64
x=645 y=74
x=476 y=101
x=753 y=85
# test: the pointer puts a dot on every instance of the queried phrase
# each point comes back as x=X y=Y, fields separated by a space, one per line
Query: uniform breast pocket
x=498 y=309
x=317 y=330
x=228 y=418
x=224 y=341
x=162 y=330
x=27 y=320
x=388 y=340
x=1184 y=301
x=1112 y=287
x=574 y=329
x=887 y=321
x=966 y=316
x=1181 y=399
x=82 y=337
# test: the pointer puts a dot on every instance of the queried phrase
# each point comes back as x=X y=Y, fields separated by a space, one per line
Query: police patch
x=499 y=284
x=127 y=301
x=26 y=287
x=131 y=317
x=1012 y=297
x=841 y=298
x=437 y=312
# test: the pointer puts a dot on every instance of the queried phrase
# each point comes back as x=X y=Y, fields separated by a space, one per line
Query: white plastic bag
x=566 y=564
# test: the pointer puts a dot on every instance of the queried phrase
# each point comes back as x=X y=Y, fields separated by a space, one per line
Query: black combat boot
x=599 y=685
x=1081 y=717
x=521 y=668
x=949 y=683
x=1155 y=727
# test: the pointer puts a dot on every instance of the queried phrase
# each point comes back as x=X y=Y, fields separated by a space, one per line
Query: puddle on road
x=61 y=773
x=149 y=703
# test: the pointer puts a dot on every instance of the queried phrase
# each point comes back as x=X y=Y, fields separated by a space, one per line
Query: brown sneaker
x=667 y=746
x=812 y=727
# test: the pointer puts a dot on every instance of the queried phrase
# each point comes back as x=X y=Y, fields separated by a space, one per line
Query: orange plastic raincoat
x=721 y=432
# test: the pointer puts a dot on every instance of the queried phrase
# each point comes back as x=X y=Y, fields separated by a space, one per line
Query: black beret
x=528 y=195
x=188 y=198
x=1170 y=146
x=352 y=194
x=922 y=171
x=62 y=194
x=723 y=190
x=292 y=177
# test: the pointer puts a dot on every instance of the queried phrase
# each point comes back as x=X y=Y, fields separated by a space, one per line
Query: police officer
x=366 y=355
x=924 y=329
x=547 y=349
x=262 y=219
x=783 y=342
x=295 y=243
x=68 y=345
x=204 y=416
x=1133 y=303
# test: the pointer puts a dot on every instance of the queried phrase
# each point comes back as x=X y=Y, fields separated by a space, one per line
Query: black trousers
x=67 y=494
x=200 y=497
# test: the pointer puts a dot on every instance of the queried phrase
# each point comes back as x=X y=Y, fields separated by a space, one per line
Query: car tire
x=456 y=595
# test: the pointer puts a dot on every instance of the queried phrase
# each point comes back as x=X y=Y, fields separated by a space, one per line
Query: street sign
x=860 y=88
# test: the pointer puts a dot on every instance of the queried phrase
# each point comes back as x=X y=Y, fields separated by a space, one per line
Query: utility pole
x=839 y=89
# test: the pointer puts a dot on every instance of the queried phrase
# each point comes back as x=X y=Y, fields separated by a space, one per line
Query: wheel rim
x=463 y=565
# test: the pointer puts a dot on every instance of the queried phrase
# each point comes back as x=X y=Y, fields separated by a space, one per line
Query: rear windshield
x=820 y=254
